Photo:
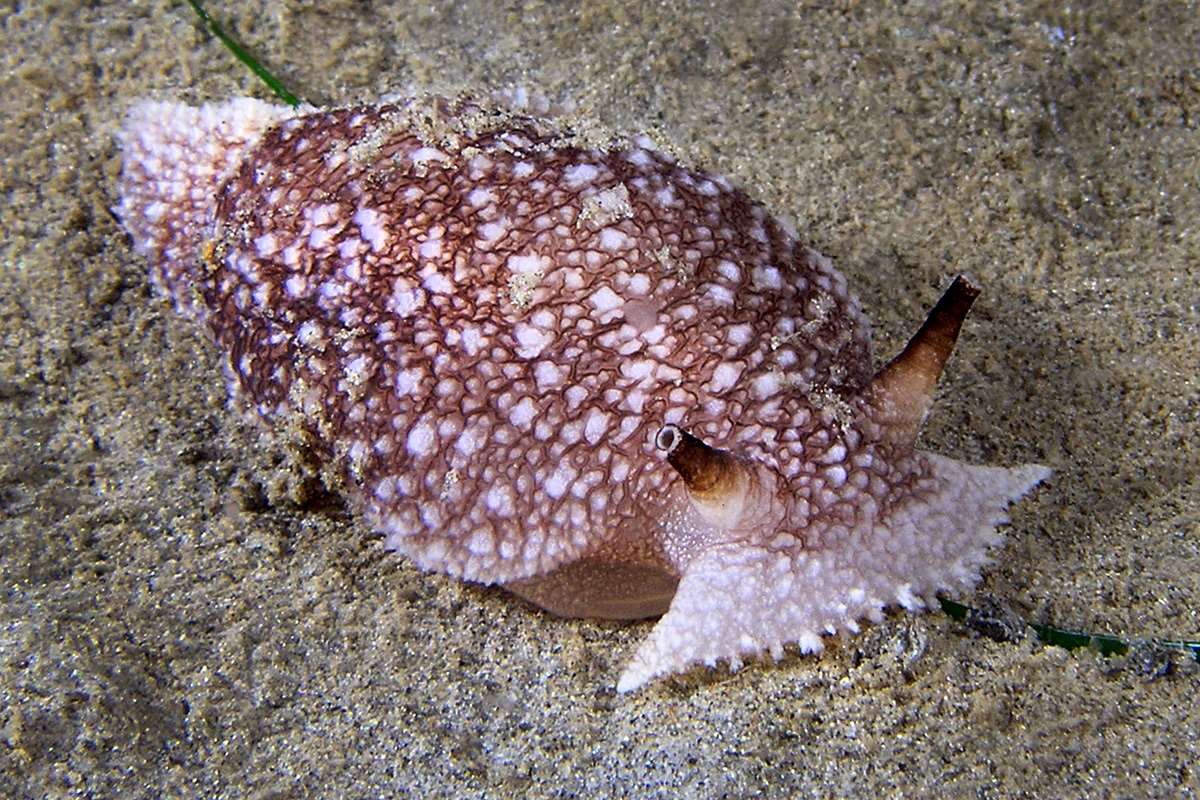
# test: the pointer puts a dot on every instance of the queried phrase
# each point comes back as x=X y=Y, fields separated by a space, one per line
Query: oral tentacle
x=738 y=601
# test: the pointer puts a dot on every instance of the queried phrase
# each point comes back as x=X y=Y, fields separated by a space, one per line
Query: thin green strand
x=1071 y=640
x=273 y=83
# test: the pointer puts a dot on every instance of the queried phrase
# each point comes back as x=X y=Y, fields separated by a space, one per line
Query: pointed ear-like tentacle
x=902 y=392
x=723 y=488
x=709 y=473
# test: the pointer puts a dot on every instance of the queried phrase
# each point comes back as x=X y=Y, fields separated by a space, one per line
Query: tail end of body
x=173 y=159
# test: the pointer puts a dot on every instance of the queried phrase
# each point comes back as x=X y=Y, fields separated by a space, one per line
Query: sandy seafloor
x=185 y=616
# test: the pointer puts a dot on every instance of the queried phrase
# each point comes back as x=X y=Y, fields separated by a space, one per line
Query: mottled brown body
x=364 y=158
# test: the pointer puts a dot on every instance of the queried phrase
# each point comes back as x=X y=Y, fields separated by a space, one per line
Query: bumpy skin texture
x=484 y=324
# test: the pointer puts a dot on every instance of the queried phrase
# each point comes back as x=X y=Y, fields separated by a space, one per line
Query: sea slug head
x=723 y=497
x=769 y=558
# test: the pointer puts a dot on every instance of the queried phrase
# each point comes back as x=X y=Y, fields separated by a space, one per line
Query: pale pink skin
x=484 y=325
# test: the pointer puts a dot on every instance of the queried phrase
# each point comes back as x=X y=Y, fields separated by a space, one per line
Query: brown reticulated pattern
x=486 y=323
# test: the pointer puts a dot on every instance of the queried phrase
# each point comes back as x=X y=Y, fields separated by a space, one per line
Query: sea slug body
x=610 y=383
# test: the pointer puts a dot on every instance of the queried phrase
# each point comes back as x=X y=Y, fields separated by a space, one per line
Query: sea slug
x=612 y=384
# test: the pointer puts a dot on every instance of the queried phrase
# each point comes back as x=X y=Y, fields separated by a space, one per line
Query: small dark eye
x=667 y=438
